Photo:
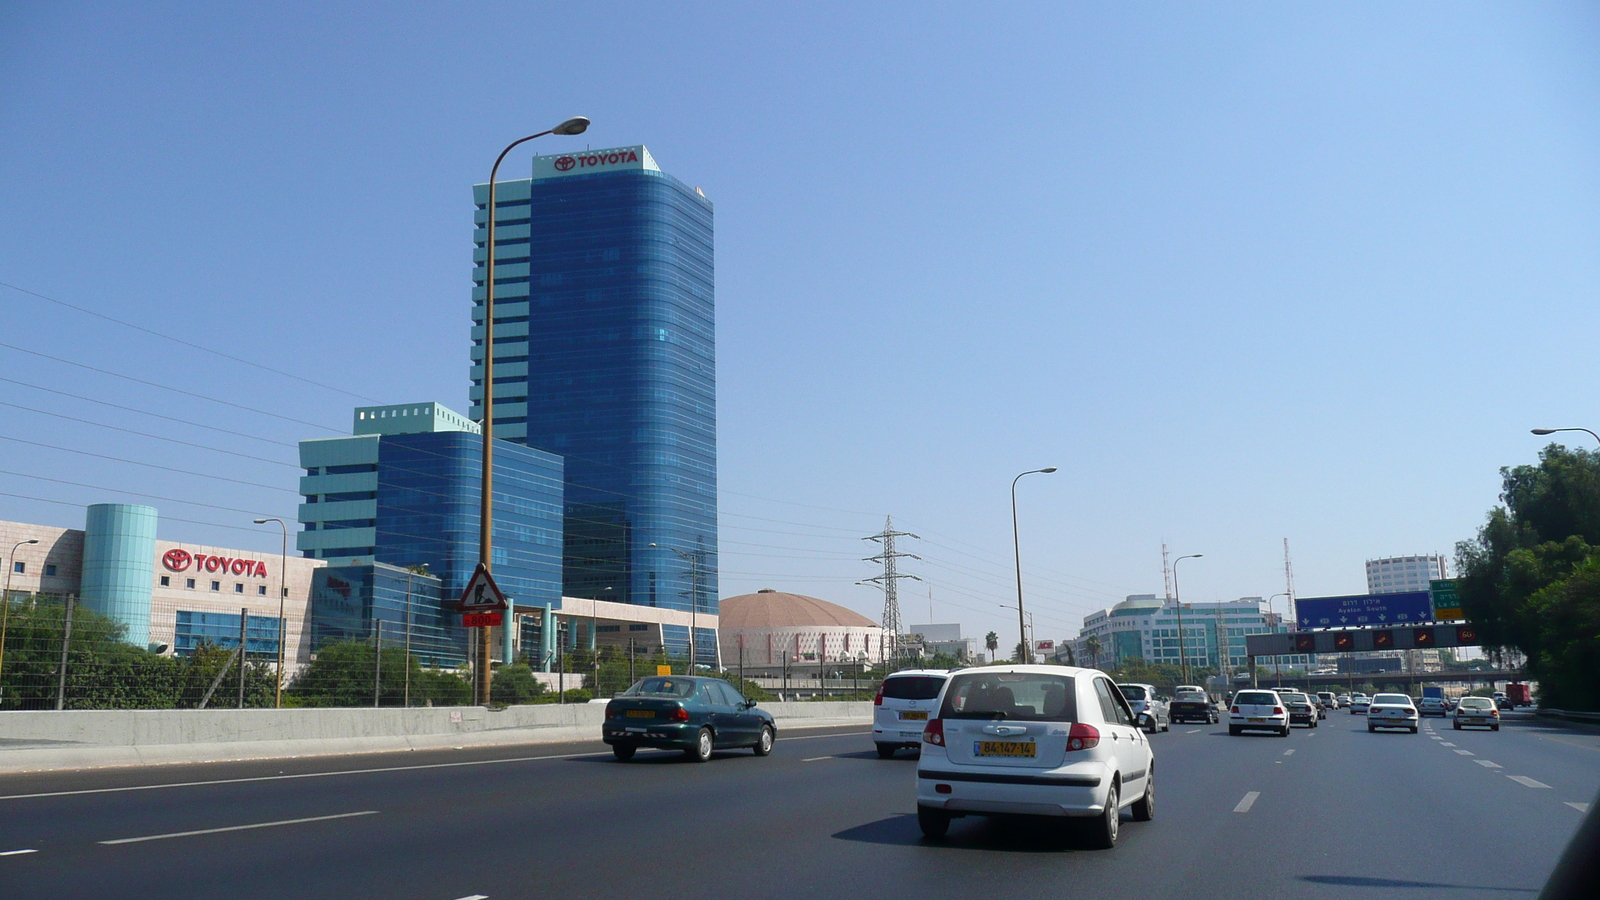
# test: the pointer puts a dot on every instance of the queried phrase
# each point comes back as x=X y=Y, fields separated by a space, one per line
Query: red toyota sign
x=565 y=163
x=178 y=560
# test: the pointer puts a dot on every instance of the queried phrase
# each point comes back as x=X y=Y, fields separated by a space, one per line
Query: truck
x=1434 y=691
x=1517 y=694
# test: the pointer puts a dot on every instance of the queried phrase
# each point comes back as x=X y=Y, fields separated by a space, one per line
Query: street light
x=5 y=598
x=1277 y=661
x=283 y=592
x=1016 y=545
x=694 y=596
x=1033 y=633
x=1544 y=431
x=574 y=125
x=1183 y=653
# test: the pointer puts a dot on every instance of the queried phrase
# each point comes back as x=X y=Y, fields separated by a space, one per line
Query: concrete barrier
x=77 y=739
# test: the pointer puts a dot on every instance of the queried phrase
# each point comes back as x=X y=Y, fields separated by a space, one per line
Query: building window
x=49 y=571
x=166 y=581
x=189 y=583
x=19 y=567
x=216 y=585
x=238 y=588
x=261 y=589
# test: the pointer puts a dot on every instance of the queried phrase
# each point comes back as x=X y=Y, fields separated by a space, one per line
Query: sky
x=1243 y=272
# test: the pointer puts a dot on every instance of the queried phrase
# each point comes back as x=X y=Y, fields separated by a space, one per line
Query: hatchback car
x=693 y=714
x=901 y=708
x=1056 y=741
x=1149 y=710
x=1392 y=711
x=1344 y=700
x=1258 y=711
x=1302 y=711
x=1479 y=711
x=1432 y=706
x=1359 y=704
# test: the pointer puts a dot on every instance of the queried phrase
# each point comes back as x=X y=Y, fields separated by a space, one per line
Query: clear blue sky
x=1244 y=272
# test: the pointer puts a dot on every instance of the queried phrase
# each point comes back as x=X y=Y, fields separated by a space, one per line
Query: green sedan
x=692 y=714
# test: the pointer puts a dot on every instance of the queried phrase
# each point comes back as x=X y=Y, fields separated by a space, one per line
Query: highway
x=1331 y=812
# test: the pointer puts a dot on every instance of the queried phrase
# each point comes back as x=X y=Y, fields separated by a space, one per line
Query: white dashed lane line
x=1248 y=801
x=1447 y=744
x=1486 y=764
x=1527 y=782
x=16 y=852
x=179 y=834
x=1196 y=731
x=1288 y=753
x=1580 y=807
x=474 y=897
x=1466 y=753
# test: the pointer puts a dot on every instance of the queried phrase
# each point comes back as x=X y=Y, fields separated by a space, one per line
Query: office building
x=605 y=354
x=1146 y=627
x=1397 y=574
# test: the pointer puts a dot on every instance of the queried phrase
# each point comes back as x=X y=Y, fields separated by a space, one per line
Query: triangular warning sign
x=482 y=594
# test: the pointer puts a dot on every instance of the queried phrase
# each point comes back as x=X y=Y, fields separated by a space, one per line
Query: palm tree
x=991 y=642
x=1093 y=646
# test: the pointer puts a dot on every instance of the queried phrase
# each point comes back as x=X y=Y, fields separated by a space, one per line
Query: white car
x=1477 y=711
x=1432 y=706
x=1055 y=741
x=1392 y=711
x=1359 y=704
x=1258 y=710
x=905 y=701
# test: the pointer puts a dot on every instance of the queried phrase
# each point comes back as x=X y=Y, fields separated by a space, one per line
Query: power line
x=157 y=437
x=96 y=487
x=168 y=337
x=146 y=412
x=146 y=465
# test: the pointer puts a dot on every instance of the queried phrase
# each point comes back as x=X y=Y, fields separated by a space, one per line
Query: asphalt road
x=1334 y=812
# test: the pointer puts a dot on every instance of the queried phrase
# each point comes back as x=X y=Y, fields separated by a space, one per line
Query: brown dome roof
x=775 y=609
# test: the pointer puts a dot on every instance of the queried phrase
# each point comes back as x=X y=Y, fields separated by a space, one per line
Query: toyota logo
x=564 y=163
x=177 y=559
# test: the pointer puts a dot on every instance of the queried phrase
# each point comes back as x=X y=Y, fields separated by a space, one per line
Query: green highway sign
x=1446 y=599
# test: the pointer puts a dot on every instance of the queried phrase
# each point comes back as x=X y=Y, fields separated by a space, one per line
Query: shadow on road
x=1017 y=835
x=1357 y=881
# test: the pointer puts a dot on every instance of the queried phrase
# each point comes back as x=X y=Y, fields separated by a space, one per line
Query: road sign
x=1446 y=599
x=663 y=670
x=1371 y=610
x=482 y=620
x=1344 y=641
x=1423 y=637
x=1383 y=640
x=482 y=594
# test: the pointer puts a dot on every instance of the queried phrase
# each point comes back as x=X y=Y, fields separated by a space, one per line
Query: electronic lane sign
x=1364 y=610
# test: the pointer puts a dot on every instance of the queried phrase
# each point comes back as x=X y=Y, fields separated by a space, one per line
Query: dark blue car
x=692 y=714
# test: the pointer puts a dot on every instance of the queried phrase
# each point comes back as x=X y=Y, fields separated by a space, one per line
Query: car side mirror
x=749 y=704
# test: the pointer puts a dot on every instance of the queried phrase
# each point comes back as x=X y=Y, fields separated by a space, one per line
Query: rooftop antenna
x=1288 y=583
x=1166 y=570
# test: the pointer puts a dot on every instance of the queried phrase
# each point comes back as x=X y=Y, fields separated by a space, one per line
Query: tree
x=991 y=642
x=1530 y=580
x=343 y=675
x=1093 y=646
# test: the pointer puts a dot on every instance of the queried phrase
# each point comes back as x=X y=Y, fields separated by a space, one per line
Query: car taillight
x=1235 y=710
x=1277 y=710
x=680 y=715
x=611 y=710
x=933 y=732
x=1083 y=737
x=1494 y=712
x=878 y=700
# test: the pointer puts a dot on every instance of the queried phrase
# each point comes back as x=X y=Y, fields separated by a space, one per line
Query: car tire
x=1102 y=830
x=1458 y=726
x=1284 y=732
x=623 y=752
x=1494 y=727
x=1234 y=731
x=1413 y=729
x=1144 y=809
x=701 y=751
x=1371 y=729
x=1168 y=726
x=886 y=750
x=935 y=823
x=764 y=741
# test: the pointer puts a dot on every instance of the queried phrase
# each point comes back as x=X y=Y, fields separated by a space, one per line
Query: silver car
x=1392 y=711
x=1149 y=710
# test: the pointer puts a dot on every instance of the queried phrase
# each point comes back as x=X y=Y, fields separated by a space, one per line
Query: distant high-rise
x=1395 y=574
x=605 y=354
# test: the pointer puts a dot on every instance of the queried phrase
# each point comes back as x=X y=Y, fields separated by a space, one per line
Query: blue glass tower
x=605 y=353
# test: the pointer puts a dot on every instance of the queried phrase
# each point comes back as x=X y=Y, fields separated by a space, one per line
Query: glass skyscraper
x=605 y=354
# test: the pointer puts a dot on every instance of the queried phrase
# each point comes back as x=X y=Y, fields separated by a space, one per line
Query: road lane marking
x=1466 y=753
x=1486 y=764
x=1196 y=731
x=1526 y=781
x=20 y=852
x=474 y=897
x=1580 y=807
x=1447 y=744
x=1248 y=801
x=816 y=758
x=179 y=834
x=1288 y=753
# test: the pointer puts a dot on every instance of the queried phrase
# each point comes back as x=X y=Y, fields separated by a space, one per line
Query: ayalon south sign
x=1364 y=610
x=180 y=560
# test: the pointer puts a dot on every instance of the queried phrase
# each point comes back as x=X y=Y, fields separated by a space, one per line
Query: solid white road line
x=1466 y=753
x=1288 y=753
x=1580 y=807
x=1248 y=801
x=179 y=834
x=1486 y=764
x=1526 y=781
x=20 y=852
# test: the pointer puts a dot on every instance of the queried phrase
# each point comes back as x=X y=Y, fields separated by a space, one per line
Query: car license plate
x=641 y=714
x=1010 y=749
x=918 y=716
x=1258 y=719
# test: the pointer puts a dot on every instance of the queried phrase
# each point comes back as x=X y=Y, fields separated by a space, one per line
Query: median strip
x=1248 y=801
x=1527 y=782
x=179 y=834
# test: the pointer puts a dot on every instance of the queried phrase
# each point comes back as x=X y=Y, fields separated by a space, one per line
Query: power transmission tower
x=887 y=581
x=1166 y=570
x=1288 y=581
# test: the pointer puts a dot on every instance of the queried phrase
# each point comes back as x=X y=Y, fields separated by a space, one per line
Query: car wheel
x=623 y=752
x=1153 y=727
x=765 y=741
x=886 y=750
x=1168 y=726
x=1458 y=726
x=933 y=822
x=1494 y=727
x=1103 y=828
x=1370 y=728
x=1413 y=729
x=1144 y=809
x=1234 y=730
x=701 y=751
x=1284 y=732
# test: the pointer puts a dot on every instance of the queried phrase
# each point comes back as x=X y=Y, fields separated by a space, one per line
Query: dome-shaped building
x=770 y=627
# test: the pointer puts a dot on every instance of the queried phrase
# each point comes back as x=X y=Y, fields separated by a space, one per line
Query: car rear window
x=661 y=687
x=1256 y=698
x=1015 y=696
x=912 y=687
x=1391 y=700
x=1132 y=691
x=1476 y=702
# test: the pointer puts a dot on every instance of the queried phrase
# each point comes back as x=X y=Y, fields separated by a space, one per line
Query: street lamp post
x=5 y=598
x=1543 y=431
x=1183 y=652
x=574 y=125
x=1277 y=661
x=694 y=596
x=1016 y=545
x=283 y=594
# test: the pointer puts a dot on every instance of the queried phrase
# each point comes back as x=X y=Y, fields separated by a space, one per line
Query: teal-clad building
x=119 y=555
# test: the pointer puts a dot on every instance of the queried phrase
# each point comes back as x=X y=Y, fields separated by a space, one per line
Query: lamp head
x=574 y=125
x=1544 y=431
x=31 y=541
x=261 y=521
x=655 y=545
x=1048 y=470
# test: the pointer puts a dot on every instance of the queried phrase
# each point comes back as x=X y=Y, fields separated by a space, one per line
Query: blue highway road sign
x=1364 y=609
